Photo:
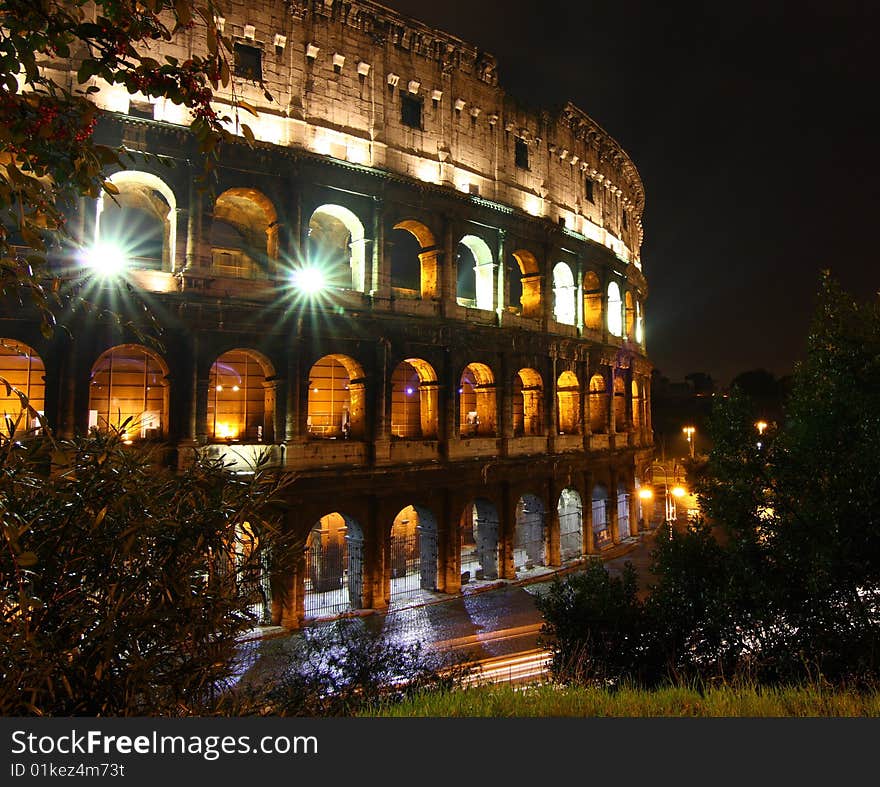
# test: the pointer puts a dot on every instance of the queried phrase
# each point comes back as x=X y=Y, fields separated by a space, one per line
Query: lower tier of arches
x=359 y=549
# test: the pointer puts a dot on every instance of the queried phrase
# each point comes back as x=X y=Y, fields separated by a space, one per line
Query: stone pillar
x=448 y=547
x=554 y=553
x=553 y=409
x=506 y=534
x=381 y=409
x=378 y=282
x=448 y=278
x=503 y=296
x=506 y=392
x=589 y=544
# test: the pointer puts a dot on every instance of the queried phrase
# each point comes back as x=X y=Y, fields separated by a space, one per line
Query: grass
x=547 y=700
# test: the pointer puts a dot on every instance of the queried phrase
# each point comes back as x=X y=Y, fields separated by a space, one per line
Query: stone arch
x=479 y=529
x=569 y=507
x=244 y=234
x=598 y=404
x=241 y=397
x=528 y=403
x=529 y=283
x=414 y=400
x=530 y=534
x=615 y=309
x=564 y=310
x=139 y=224
x=601 y=516
x=334 y=562
x=337 y=246
x=336 y=400
x=128 y=390
x=568 y=403
x=413 y=559
x=475 y=273
x=619 y=403
x=23 y=369
x=476 y=397
x=592 y=301
x=640 y=323
x=416 y=267
x=629 y=315
x=636 y=393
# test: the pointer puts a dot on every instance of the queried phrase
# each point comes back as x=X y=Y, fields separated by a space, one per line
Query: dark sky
x=755 y=127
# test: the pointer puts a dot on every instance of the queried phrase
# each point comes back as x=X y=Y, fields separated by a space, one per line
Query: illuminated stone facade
x=468 y=396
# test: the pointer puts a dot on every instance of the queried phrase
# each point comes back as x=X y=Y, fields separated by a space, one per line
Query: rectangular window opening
x=410 y=111
x=248 y=62
x=521 y=154
x=588 y=184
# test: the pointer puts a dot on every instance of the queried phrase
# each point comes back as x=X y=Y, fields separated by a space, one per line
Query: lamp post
x=689 y=431
x=760 y=426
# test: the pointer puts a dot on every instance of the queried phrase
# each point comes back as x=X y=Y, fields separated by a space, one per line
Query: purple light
x=409 y=391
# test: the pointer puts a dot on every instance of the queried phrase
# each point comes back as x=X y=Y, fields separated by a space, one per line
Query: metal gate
x=571 y=537
x=528 y=547
x=334 y=575
x=623 y=515
x=254 y=585
x=601 y=532
x=405 y=564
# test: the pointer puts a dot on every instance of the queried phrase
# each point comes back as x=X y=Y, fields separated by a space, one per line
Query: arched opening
x=629 y=315
x=479 y=528
x=640 y=323
x=568 y=398
x=414 y=552
x=475 y=274
x=619 y=404
x=623 y=514
x=598 y=404
x=563 y=295
x=615 y=310
x=601 y=517
x=414 y=400
x=334 y=558
x=22 y=368
x=336 y=407
x=528 y=397
x=241 y=400
x=529 y=542
x=415 y=270
x=244 y=235
x=129 y=388
x=337 y=247
x=138 y=223
x=476 y=401
x=636 y=406
x=525 y=284
x=571 y=538
x=592 y=301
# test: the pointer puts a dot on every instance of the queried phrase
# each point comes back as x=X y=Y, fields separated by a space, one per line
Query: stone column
x=448 y=270
x=554 y=549
x=589 y=544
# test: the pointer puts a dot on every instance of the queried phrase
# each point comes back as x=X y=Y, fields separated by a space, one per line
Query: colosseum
x=421 y=297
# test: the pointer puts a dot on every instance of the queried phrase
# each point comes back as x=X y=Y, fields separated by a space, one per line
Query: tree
x=48 y=154
x=782 y=580
x=124 y=587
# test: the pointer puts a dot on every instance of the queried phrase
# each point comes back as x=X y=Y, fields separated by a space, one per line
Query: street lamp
x=689 y=431
x=760 y=426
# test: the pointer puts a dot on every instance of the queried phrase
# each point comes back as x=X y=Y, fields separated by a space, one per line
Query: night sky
x=755 y=129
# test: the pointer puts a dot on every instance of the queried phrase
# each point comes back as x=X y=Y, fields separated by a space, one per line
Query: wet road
x=495 y=626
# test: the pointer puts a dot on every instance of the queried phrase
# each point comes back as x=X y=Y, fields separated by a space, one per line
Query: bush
x=339 y=669
x=594 y=625
x=122 y=583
